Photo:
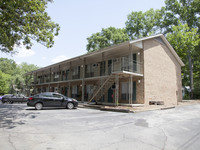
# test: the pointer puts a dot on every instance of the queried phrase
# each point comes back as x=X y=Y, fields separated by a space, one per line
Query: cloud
x=23 y=52
x=59 y=59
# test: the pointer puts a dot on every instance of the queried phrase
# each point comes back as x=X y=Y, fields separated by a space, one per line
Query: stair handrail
x=100 y=88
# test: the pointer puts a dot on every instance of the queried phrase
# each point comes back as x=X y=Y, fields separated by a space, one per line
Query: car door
x=58 y=100
x=47 y=99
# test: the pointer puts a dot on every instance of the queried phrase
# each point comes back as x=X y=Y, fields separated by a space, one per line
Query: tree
x=23 y=21
x=184 y=40
x=8 y=66
x=187 y=11
x=4 y=83
x=105 y=38
x=141 y=24
x=21 y=81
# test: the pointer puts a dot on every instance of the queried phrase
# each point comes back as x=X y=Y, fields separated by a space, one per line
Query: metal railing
x=117 y=65
x=126 y=64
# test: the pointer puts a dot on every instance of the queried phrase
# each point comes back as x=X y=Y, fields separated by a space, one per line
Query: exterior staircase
x=97 y=94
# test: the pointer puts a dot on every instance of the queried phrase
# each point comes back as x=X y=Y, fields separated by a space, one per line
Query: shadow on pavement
x=13 y=115
x=48 y=108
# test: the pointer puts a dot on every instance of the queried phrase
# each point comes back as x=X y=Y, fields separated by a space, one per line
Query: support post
x=130 y=89
x=130 y=58
x=83 y=82
x=116 y=90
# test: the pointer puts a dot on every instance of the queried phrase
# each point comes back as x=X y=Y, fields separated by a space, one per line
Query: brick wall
x=162 y=74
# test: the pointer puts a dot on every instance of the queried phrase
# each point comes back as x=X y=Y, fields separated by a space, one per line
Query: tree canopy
x=13 y=77
x=4 y=82
x=185 y=11
x=105 y=38
x=23 y=21
x=184 y=41
x=7 y=66
x=141 y=24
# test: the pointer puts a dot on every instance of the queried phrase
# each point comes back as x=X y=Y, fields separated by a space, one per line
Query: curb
x=167 y=108
x=105 y=109
x=102 y=108
x=117 y=110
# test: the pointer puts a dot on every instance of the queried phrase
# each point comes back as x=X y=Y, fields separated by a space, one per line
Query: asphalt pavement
x=24 y=128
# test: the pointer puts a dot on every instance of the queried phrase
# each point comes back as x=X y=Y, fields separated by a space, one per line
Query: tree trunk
x=190 y=73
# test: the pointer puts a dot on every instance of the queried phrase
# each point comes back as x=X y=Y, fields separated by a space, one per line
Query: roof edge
x=166 y=42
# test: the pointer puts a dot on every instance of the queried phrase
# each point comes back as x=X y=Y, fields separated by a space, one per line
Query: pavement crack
x=10 y=141
x=165 y=138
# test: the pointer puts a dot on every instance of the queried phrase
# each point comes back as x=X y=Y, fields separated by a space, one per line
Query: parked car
x=51 y=99
x=11 y=98
x=2 y=96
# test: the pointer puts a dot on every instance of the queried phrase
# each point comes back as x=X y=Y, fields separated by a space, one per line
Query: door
x=102 y=68
x=134 y=91
x=125 y=91
x=57 y=100
x=47 y=99
x=134 y=63
x=109 y=66
x=66 y=91
x=110 y=95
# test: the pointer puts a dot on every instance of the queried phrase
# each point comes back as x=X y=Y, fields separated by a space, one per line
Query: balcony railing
x=126 y=64
x=117 y=65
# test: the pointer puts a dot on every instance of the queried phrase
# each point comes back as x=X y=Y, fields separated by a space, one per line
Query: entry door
x=66 y=91
x=134 y=63
x=125 y=91
x=110 y=95
x=109 y=66
x=134 y=91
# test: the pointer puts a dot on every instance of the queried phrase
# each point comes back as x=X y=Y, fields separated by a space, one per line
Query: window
x=67 y=75
x=74 y=89
x=125 y=90
x=57 y=96
x=89 y=89
x=102 y=68
x=45 y=95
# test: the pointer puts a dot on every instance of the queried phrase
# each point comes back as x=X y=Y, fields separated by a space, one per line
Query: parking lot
x=23 y=128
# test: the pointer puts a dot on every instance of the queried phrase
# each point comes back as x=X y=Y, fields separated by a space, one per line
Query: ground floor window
x=125 y=91
x=55 y=89
x=89 y=91
x=74 y=91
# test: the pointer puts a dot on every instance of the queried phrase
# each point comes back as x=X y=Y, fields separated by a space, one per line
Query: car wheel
x=38 y=106
x=70 y=105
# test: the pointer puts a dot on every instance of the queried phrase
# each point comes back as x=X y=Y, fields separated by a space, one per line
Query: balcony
x=126 y=64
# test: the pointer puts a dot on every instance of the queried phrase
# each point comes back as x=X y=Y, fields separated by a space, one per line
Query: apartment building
x=142 y=71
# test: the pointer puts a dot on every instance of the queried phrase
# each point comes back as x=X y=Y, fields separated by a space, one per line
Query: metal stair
x=105 y=86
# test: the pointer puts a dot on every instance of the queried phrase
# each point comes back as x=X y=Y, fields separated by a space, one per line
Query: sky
x=78 y=20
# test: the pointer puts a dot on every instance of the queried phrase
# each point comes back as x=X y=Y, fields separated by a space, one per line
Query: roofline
x=172 y=50
x=82 y=56
x=112 y=47
x=166 y=42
